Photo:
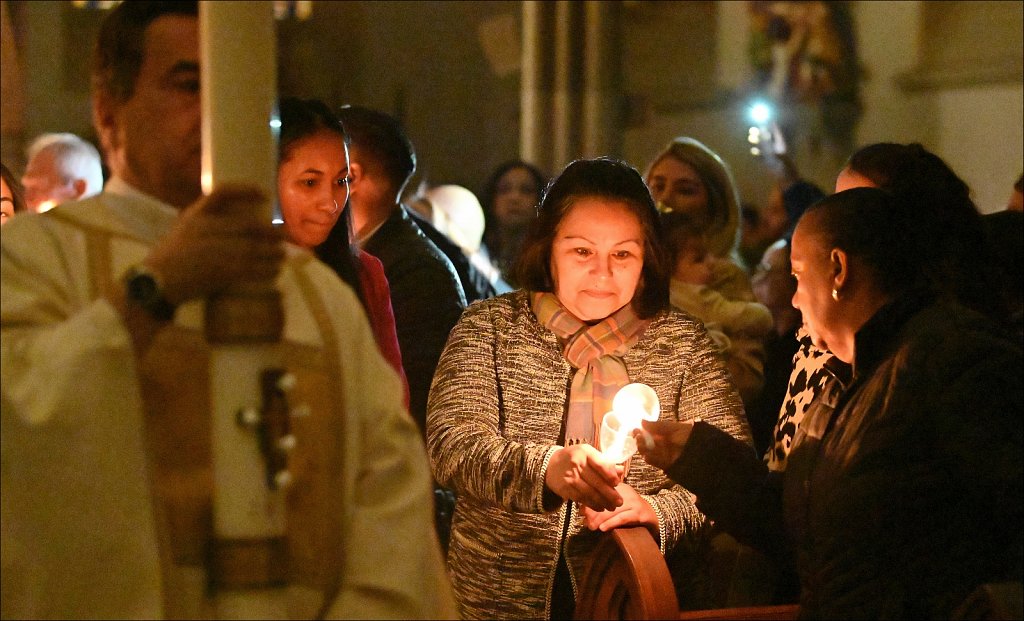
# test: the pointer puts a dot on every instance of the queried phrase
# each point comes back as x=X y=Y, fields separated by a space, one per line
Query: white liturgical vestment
x=81 y=534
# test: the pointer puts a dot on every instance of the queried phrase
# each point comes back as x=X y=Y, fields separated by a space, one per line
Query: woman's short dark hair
x=120 y=46
x=606 y=178
x=872 y=226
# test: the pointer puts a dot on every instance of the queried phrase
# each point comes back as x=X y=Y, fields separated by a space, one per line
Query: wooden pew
x=630 y=580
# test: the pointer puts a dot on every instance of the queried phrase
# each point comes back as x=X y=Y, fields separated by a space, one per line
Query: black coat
x=904 y=488
x=474 y=282
x=427 y=299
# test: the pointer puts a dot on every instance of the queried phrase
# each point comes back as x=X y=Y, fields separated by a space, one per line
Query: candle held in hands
x=632 y=404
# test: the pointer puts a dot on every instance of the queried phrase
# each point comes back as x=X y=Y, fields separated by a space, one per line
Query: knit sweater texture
x=496 y=414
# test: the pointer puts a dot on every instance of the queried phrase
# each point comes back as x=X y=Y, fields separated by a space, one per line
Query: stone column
x=535 y=85
x=571 y=90
x=602 y=80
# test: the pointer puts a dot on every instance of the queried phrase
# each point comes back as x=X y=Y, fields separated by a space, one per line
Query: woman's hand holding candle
x=632 y=404
x=581 y=473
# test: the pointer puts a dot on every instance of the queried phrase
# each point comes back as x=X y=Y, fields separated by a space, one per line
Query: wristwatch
x=143 y=288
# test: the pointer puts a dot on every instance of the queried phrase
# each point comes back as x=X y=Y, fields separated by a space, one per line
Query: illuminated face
x=849 y=179
x=6 y=202
x=45 y=186
x=677 y=185
x=312 y=186
x=154 y=138
x=596 y=257
x=515 y=198
x=812 y=268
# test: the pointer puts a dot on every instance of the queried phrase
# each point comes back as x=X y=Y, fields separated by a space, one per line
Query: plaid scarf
x=596 y=353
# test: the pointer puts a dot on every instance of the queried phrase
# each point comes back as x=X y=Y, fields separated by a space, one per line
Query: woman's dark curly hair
x=870 y=224
x=606 y=178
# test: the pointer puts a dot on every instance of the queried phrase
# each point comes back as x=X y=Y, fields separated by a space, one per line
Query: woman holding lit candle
x=903 y=489
x=518 y=399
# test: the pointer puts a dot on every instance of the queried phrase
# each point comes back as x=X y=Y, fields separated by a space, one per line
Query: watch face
x=143 y=289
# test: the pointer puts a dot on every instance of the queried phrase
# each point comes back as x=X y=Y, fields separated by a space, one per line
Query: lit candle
x=238 y=51
x=633 y=404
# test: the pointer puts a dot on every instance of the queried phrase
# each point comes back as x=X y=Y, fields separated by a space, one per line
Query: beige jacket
x=737 y=325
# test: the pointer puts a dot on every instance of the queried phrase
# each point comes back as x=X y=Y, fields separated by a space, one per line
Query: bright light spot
x=638 y=399
x=760 y=112
x=46 y=206
x=632 y=404
x=275 y=123
x=755 y=151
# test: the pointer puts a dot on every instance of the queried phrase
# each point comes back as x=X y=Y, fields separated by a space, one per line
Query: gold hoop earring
x=835 y=294
x=335 y=207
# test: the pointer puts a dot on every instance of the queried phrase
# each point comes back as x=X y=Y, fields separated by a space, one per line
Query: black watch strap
x=143 y=289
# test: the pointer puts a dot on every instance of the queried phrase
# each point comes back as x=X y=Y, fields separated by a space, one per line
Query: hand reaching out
x=661 y=442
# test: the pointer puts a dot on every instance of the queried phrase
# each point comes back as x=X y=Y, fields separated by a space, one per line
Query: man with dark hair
x=107 y=505
x=426 y=293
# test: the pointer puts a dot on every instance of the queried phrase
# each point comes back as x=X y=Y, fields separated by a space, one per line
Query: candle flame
x=633 y=403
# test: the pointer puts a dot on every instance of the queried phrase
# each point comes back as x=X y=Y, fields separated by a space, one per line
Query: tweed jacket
x=495 y=416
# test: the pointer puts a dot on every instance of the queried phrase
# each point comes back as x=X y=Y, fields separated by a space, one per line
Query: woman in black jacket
x=904 y=488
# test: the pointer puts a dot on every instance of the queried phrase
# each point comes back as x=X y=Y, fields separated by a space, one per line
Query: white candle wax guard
x=617 y=441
